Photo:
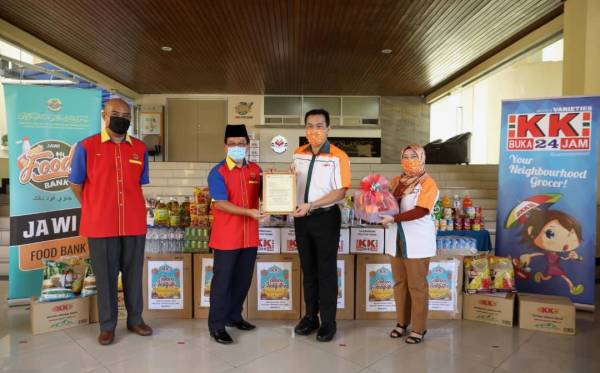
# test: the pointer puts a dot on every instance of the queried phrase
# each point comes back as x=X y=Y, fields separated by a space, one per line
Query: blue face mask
x=236 y=153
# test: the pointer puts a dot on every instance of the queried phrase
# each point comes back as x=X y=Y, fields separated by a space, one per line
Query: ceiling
x=323 y=47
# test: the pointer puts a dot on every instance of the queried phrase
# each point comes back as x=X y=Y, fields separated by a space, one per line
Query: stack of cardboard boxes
x=536 y=312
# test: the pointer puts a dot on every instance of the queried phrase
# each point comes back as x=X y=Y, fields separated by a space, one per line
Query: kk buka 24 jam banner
x=547 y=185
x=44 y=124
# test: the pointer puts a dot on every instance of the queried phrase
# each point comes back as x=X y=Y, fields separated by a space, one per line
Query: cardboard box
x=497 y=309
x=345 y=306
x=289 y=245
x=121 y=309
x=391 y=239
x=367 y=240
x=168 y=285
x=203 y=267
x=288 y=241
x=275 y=290
x=445 y=280
x=52 y=316
x=374 y=288
x=546 y=313
x=269 y=240
x=344 y=247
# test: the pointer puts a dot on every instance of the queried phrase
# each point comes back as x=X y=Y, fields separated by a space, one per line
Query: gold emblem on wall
x=244 y=108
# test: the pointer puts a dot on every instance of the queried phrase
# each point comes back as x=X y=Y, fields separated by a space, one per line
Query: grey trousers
x=109 y=256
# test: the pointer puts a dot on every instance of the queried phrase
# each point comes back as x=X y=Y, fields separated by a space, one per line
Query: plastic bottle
x=173 y=212
x=161 y=214
x=181 y=239
x=149 y=213
x=164 y=240
x=148 y=244
x=457 y=207
x=184 y=213
x=437 y=210
x=172 y=240
x=154 y=242
x=467 y=201
x=446 y=202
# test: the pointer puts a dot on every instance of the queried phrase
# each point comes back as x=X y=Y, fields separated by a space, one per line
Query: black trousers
x=109 y=256
x=232 y=275
x=318 y=238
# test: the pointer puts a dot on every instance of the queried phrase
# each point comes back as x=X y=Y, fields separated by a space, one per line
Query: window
x=18 y=66
x=331 y=104
x=476 y=107
x=346 y=110
x=283 y=105
x=364 y=107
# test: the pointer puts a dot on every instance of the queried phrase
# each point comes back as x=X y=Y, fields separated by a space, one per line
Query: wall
x=161 y=99
x=582 y=47
x=404 y=120
x=3 y=126
x=3 y=168
x=293 y=134
x=521 y=80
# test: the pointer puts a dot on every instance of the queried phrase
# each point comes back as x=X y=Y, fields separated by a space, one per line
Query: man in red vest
x=235 y=186
x=107 y=173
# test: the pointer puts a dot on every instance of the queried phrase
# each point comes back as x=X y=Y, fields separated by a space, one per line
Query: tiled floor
x=360 y=346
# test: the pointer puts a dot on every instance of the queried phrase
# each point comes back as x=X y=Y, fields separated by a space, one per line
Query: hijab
x=411 y=176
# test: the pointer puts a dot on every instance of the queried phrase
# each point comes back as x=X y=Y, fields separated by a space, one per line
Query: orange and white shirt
x=417 y=238
x=318 y=175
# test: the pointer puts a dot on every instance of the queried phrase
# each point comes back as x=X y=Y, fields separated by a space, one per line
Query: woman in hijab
x=416 y=193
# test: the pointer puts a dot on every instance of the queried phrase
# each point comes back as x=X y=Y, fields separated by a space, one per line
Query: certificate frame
x=286 y=177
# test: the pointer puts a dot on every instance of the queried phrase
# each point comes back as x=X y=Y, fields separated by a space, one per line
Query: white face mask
x=236 y=153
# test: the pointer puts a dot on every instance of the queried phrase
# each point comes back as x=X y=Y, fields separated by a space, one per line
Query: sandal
x=415 y=338
x=398 y=332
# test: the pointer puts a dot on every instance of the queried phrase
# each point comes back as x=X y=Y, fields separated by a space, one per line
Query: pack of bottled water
x=456 y=245
x=164 y=240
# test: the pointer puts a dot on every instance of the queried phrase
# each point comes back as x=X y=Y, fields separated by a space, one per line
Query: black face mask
x=119 y=125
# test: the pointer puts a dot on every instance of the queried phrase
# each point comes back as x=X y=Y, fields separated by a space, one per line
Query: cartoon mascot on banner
x=554 y=235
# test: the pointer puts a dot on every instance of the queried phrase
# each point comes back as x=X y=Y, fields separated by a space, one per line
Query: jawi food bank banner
x=547 y=185
x=44 y=125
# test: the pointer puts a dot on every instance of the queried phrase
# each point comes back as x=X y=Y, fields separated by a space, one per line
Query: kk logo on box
x=487 y=303
x=267 y=245
x=558 y=131
x=549 y=310
x=291 y=245
x=367 y=245
x=62 y=307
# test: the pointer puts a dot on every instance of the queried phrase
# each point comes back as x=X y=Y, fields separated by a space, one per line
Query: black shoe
x=241 y=325
x=221 y=336
x=307 y=325
x=326 y=332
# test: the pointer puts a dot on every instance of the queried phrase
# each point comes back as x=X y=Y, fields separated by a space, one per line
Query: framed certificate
x=279 y=193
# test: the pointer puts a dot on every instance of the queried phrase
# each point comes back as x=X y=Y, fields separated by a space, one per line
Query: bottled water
x=164 y=240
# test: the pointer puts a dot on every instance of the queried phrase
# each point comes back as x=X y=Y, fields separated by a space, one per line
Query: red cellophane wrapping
x=373 y=199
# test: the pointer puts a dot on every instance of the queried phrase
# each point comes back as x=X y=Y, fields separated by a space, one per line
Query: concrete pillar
x=581 y=66
x=581 y=72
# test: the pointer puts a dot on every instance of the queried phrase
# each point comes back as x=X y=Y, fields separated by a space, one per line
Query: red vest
x=113 y=203
x=240 y=186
